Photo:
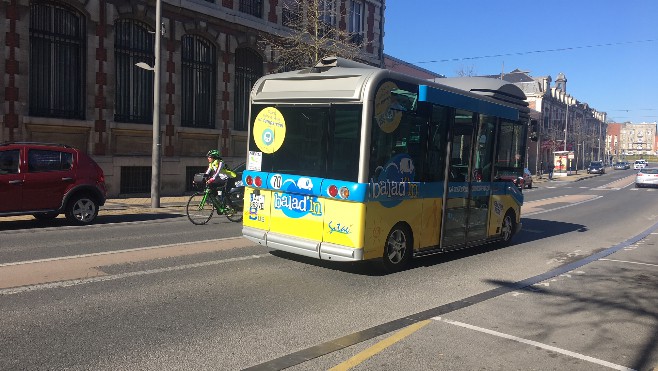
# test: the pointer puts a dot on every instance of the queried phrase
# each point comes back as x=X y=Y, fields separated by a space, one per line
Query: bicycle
x=226 y=201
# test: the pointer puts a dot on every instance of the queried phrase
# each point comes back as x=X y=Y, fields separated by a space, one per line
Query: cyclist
x=218 y=172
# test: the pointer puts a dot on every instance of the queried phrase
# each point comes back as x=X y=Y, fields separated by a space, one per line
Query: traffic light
x=533 y=131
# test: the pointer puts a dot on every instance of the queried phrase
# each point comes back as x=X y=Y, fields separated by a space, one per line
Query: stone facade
x=631 y=140
x=229 y=27
x=564 y=123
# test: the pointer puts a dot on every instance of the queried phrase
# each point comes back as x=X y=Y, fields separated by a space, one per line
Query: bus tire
x=398 y=248
x=507 y=228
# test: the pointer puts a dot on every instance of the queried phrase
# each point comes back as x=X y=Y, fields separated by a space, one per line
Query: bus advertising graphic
x=394 y=182
x=387 y=118
x=269 y=130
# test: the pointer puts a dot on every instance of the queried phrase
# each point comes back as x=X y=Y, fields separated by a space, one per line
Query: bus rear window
x=319 y=141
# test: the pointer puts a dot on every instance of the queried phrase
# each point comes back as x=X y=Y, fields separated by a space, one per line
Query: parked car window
x=44 y=160
x=9 y=162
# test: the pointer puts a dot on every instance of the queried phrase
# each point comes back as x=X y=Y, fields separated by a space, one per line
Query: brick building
x=70 y=77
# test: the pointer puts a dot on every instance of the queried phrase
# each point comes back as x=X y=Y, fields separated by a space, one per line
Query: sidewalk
x=582 y=174
x=126 y=206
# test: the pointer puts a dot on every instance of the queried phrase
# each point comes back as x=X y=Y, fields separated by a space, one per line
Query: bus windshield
x=320 y=141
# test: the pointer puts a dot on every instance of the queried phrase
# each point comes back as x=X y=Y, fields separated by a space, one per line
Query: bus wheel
x=398 y=248
x=507 y=229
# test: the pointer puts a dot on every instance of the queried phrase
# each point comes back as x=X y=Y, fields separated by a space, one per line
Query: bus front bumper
x=299 y=246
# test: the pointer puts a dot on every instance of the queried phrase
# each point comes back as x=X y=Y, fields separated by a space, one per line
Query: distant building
x=629 y=139
x=613 y=140
x=563 y=122
x=70 y=77
x=398 y=65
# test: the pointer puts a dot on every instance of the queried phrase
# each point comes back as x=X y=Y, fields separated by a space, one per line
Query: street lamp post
x=566 y=127
x=156 y=148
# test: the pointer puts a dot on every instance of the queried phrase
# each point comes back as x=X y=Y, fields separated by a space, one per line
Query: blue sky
x=609 y=63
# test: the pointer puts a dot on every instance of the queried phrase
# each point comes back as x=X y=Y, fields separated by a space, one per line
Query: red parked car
x=46 y=180
x=522 y=181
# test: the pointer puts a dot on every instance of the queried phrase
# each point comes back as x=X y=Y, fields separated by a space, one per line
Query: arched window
x=248 y=69
x=57 y=61
x=133 y=43
x=198 y=80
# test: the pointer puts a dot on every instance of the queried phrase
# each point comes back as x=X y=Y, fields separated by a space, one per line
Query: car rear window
x=9 y=162
x=46 y=160
x=650 y=171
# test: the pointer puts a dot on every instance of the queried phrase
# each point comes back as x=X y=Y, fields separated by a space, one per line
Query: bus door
x=478 y=212
x=455 y=224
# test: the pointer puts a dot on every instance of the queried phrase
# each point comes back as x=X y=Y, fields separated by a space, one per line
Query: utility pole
x=156 y=149
x=566 y=126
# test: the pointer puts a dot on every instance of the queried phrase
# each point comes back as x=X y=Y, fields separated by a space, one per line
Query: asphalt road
x=575 y=291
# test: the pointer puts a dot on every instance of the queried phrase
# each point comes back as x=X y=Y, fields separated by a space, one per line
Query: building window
x=327 y=11
x=327 y=17
x=248 y=69
x=291 y=14
x=134 y=42
x=135 y=179
x=57 y=61
x=355 y=25
x=198 y=80
x=252 y=7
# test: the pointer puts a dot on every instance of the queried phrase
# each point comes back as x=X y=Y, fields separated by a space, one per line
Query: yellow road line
x=373 y=350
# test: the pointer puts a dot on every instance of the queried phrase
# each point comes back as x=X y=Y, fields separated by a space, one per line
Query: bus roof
x=339 y=79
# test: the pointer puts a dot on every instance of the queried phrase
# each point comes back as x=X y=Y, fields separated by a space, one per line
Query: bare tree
x=310 y=33
x=466 y=71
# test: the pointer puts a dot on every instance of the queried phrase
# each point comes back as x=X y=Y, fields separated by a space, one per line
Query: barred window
x=355 y=26
x=248 y=69
x=252 y=7
x=134 y=42
x=135 y=179
x=57 y=61
x=327 y=18
x=198 y=80
x=291 y=14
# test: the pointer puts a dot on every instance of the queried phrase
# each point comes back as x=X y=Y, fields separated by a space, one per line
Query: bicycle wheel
x=235 y=204
x=197 y=212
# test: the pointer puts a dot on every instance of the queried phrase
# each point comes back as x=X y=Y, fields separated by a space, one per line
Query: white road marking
x=561 y=207
x=69 y=257
x=629 y=262
x=537 y=344
x=76 y=282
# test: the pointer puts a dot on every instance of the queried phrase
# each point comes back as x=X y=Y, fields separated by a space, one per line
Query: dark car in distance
x=596 y=167
x=45 y=180
x=622 y=165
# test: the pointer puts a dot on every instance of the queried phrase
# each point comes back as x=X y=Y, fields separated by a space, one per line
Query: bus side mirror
x=533 y=131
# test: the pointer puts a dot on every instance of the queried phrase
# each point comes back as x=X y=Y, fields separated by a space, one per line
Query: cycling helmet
x=214 y=154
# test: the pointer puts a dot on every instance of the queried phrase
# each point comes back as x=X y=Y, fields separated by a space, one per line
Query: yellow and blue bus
x=349 y=162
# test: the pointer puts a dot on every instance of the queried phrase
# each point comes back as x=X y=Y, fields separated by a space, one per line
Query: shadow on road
x=533 y=230
x=100 y=220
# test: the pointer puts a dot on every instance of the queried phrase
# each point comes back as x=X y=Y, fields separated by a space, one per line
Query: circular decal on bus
x=269 y=130
x=387 y=119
